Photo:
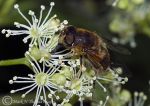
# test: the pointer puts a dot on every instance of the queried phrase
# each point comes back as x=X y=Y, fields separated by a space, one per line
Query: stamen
x=34 y=86
x=26 y=39
x=101 y=86
x=31 y=12
x=31 y=76
x=13 y=91
x=15 y=78
x=65 y=22
x=52 y=4
x=10 y=81
x=42 y=7
x=37 y=95
x=16 y=6
x=3 y=31
x=107 y=98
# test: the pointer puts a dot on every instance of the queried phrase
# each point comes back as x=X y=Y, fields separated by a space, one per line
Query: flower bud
x=76 y=84
x=66 y=71
x=58 y=79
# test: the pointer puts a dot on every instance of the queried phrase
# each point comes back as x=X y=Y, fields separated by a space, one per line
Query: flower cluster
x=55 y=72
x=65 y=79
x=37 y=31
x=126 y=24
x=122 y=97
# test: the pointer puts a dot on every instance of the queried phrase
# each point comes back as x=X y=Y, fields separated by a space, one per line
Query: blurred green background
x=127 y=23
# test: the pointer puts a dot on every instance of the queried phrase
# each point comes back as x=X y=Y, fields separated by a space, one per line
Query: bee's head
x=67 y=36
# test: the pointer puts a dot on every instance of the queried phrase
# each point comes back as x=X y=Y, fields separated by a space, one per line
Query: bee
x=90 y=46
x=87 y=45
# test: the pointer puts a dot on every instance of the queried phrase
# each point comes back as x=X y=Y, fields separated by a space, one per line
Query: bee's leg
x=99 y=70
x=59 y=47
x=81 y=62
x=81 y=66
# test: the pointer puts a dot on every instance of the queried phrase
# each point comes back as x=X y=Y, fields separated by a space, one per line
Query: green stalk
x=19 y=61
x=6 y=7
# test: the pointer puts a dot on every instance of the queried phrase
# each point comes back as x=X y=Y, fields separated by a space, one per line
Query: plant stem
x=19 y=61
x=6 y=7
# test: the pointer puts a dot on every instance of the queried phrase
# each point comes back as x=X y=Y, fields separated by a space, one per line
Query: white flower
x=77 y=83
x=113 y=76
x=139 y=99
x=37 y=30
x=80 y=82
x=41 y=80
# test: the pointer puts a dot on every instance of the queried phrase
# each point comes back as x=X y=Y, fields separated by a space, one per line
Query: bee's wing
x=94 y=59
x=115 y=47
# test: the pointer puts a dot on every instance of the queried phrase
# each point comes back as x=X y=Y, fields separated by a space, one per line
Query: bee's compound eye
x=69 y=33
x=69 y=39
x=71 y=29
